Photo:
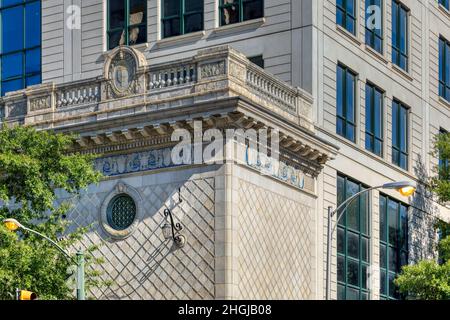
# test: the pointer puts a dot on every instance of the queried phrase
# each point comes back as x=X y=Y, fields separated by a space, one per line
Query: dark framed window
x=444 y=69
x=181 y=17
x=258 y=60
x=345 y=104
x=127 y=22
x=445 y=3
x=444 y=163
x=374 y=33
x=400 y=42
x=374 y=119
x=346 y=14
x=393 y=244
x=353 y=238
x=400 y=135
x=234 y=11
x=121 y=212
x=20 y=51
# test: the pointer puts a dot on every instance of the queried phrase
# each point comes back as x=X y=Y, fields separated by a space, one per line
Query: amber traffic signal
x=27 y=295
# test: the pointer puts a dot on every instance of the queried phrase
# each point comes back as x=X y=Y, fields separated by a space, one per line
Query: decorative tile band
x=162 y=158
x=276 y=169
x=135 y=162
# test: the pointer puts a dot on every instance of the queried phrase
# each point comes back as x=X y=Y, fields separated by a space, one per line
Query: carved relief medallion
x=122 y=73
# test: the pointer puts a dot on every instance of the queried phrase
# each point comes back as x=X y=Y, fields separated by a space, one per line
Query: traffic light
x=26 y=295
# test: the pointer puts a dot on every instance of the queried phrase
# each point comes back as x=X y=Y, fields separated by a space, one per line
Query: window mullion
x=344 y=99
x=182 y=10
x=127 y=21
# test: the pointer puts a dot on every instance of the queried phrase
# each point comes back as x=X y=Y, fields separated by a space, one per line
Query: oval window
x=121 y=212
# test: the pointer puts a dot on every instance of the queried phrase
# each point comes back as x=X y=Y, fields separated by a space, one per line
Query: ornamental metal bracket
x=172 y=230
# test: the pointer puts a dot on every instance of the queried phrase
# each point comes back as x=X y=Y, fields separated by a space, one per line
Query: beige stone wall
x=275 y=239
x=144 y=265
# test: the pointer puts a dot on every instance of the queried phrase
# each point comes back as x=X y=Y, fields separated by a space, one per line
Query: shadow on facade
x=422 y=235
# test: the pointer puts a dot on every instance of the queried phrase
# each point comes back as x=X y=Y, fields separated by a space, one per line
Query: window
x=374 y=120
x=393 y=244
x=444 y=162
x=400 y=35
x=374 y=29
x=444 y=69
x=346 y=14
x=445 y=3
x=181 y=17
x=121 y=212
x=258 y=60
x=20 y=53
x=127 y=22
x=345 y=113
x=234 y=11
x=400 y=135
x=353 y=242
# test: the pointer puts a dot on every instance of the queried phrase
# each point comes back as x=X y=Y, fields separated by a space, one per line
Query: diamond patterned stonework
x=144 y=265
x=275 y=245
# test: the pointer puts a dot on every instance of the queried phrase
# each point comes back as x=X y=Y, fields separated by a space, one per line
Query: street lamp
x=405 y=188
x=171 y=231
x=14 y=225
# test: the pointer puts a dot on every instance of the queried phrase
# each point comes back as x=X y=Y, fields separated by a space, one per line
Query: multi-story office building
x=357 y=88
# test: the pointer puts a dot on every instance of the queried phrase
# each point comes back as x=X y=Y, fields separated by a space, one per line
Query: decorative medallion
x=122 y=73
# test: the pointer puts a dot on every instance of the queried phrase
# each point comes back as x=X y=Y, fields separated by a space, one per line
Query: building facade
x=356 y=89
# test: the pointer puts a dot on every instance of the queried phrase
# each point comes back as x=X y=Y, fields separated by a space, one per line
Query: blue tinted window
x=345 y=103
x=400 y=35
x=11 y=85
x=374 y=25
x=33 y=61
x=400 y=135
x=33 y=24
x=445 y=3
x=6 y=3
x=12 y=65
x=374 y=120
x=346 y=15
x=12 y=29
x=20 y=54
x=444 y=69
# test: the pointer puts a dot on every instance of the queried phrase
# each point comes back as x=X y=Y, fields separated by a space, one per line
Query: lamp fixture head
x=167 y=231
x=12 y=224
x=405 y=188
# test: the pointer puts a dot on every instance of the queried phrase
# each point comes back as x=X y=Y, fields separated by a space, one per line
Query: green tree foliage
x=440 y=184
x=430 y=279
x=33 y=165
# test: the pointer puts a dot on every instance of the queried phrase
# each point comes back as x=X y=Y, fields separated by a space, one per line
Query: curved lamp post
x=405 y=188
x=14 y=225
